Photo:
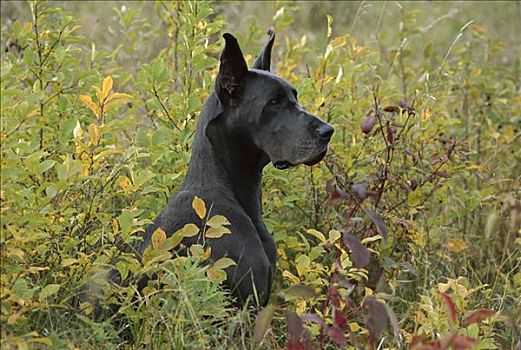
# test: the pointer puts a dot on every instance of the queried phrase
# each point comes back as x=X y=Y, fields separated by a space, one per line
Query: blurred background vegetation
x=426 y=101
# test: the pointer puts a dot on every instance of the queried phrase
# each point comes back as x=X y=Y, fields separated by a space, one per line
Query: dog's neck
x=220 y=158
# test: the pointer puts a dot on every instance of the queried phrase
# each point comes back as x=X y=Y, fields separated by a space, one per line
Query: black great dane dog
x=251 y=119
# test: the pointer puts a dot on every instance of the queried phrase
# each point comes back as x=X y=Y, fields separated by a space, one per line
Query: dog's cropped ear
x=263 y=60
x=232 y=70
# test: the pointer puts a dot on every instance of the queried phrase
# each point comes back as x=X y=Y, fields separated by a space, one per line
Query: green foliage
x=412 y=220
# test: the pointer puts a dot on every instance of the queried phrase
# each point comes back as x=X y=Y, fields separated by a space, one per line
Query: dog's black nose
x=325 y=131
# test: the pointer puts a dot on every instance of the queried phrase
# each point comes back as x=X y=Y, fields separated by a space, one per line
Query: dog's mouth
x=284 y=164
x=317 y=159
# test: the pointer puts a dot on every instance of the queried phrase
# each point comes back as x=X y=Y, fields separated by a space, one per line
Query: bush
x=412 y=220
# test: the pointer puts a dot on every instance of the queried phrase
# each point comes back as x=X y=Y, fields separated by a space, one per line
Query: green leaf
x=223 y=263
x=263 y=322
x=188 y=230
x=49 y=290
x=46 y=165
x=125 y=221
x=217 y=221
x=414 y=198
x=217 y=232
x=299 y=291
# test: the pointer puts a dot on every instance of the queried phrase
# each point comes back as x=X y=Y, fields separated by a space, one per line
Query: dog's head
x=264 y=109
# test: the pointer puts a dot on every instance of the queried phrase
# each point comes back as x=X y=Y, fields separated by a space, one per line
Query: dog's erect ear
x=264 y=59
x=232 y=70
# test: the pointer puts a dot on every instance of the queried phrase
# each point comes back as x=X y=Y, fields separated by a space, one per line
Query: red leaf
x=296 y=345
x=477 y=316
x=333 y=296
x=337 y=336
x=368 y=124
x=443 y=173
x=336 y=194
x=451 y=308
x=378 y=223
x=340 y=320
x=390 y=134
x=313 y=318
x=294 y=326
x=377 y=317
x=461 y=342
x=359 y=251
x=392 y=109
x=360 y=190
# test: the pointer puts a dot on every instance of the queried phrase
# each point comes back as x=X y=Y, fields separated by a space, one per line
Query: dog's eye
x=274 y=101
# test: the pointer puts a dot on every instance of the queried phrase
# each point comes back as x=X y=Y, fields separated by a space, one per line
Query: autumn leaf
x=295 y=329
x=199 y=207
x=215 y=274
x=223 y=263
x=158 y=238
x=107 y=86
x=98 y=92
x=115 y=100
x=378 y=223
x=299 y=291
x=317 y=234
x=217 y=232
x=93 y=107
x=477 y=316
x=94 y=134
x=188 y=230
x=263 y=322
x=77 y=132
x=377 y=318
x=359 y=251
x=451 y=308
x=125 y=184
x=217 y=221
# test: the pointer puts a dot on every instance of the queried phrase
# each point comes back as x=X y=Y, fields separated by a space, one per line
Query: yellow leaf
x=216 y=275
x=188 y=230
x=125 y=184
x=217 y=221
x=93 y=107
x=33 y=113
x=119 y=96
x=217 y=232
x=115 y=225
x=224 y=263
x=158 y=238
x=354 y=327
x=14 y=317
x=86 y=308
x=98 y=92
x=317 y=234
x=456 y=245
x=69 y=262
x=147 y=254
x=107 y=86
x=115 y=100
x=77 y=131
x=94 y=134
x=42 y=340
x=199 y=207
x=334 y=235
x=196 y=250
x=290 y=276
x=172 y=241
